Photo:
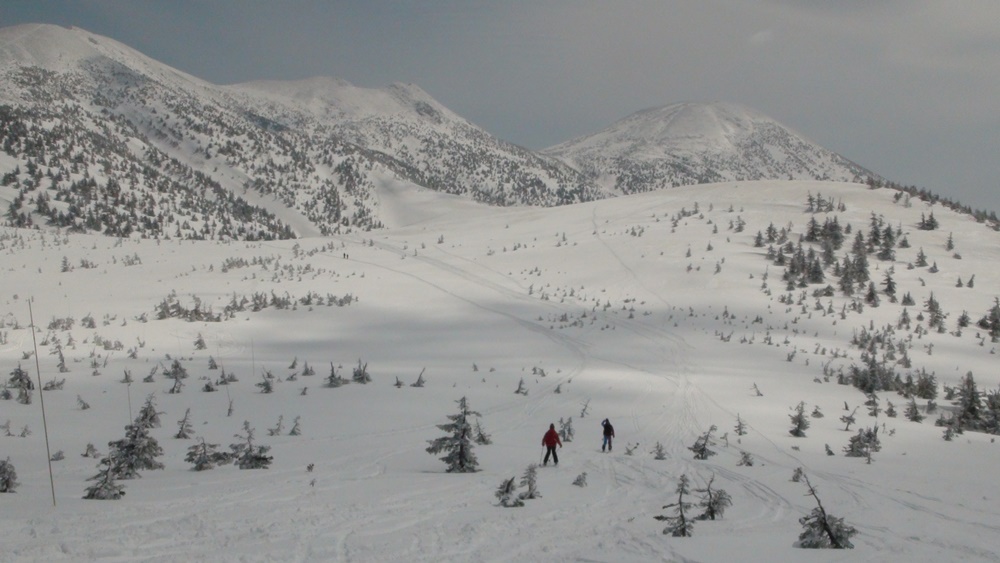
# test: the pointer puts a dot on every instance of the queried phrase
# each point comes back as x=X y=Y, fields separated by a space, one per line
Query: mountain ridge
x=267 y=159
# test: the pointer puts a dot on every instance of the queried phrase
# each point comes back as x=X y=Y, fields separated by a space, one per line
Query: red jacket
x=551 y=438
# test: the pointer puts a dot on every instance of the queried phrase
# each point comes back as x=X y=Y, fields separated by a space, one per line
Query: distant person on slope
x=550 y=441
x=609 y=433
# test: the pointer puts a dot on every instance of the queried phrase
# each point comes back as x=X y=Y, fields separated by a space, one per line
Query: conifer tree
x=8 y=477
x=714 y=501
x=334 y=379
x=105 y=486
x=21 y=381
x=459 y=442
x=701 y=445
x=361 y=373
x=507 y=493
x=148 y=415
x=799 y=421
x=136 y=452
x=482 y=438
x=863 y=444
x=566 y=431
x=530 y=480
x=205 y=456
x=679 y=525
x=912 y=412
x=246 y=453
x=823 y=530
x=741 y=427
x=184 y=430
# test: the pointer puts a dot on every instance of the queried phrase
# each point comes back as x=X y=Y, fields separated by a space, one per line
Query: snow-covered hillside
x=161 y=153
x=657 y=311
x=697 y=143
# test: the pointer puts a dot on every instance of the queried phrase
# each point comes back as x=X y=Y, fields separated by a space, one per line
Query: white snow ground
x=627 y=323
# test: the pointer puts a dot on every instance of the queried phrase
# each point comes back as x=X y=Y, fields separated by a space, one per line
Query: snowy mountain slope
x=305 y=157
x=655 y=310
x=694 y=143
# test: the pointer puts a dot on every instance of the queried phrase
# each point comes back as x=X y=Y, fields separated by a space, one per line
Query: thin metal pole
x=41 y=399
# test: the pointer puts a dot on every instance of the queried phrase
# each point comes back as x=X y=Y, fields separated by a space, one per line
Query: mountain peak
x=695 y=142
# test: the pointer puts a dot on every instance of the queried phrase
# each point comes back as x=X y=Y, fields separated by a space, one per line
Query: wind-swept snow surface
x=655 y=311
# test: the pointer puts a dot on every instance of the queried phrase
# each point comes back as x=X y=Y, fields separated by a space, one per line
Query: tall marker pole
x=41 y=399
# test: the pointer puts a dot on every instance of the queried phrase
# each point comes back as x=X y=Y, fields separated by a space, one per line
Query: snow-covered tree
x=507 y=493
x=741 y=427
x=581 y=480
x=482 y=438
x=822 y=530
x=521 y=389
x=863 y=444
x=714 y=501
x=8 y=477
x=701 y=445
x=420 y=380
x=246 y=453
x=530 y=480
x=136 y=452
x=458 y=443
x=148 y=415
x=361 y=373
x=105 y=486
x=566 y=431
x=20 y=380
x=296 y=427
x=912 y=412
x=799 y=421
x=184 y=429
x=679 y=525
x=334 y=379
x=659 y=452
x=205 y=456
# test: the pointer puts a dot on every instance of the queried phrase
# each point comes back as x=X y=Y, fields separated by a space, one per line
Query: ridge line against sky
x=907 y=89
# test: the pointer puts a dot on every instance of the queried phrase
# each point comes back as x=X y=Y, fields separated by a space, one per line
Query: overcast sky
x=908 y=88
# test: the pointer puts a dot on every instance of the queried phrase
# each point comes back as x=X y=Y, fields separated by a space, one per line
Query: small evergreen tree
x=21 y=381
x=714 y=501
x=659 y=452
x=848 y=419
x=679 y=525
x=581 y=480
x=205 y=456
x=701 y=445
x=361 y=373
x=482 y=438
x=149 y=417
x=741 y=427
x=822 y=530
x=420 y=380
x=136 y=452
x=863 y=444
x=458 y=444
x=521 y=389
x=105 y=486
x=530 y=480
x=296 y=427
x=334 y=379
x=912 y=412
x=507 y=493
x=799 y=421
x=8 y=477
x=566 y=431
x=246 y=453
x=184 y=430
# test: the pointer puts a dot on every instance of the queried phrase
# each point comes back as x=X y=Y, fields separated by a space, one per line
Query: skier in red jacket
x=550 y=441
